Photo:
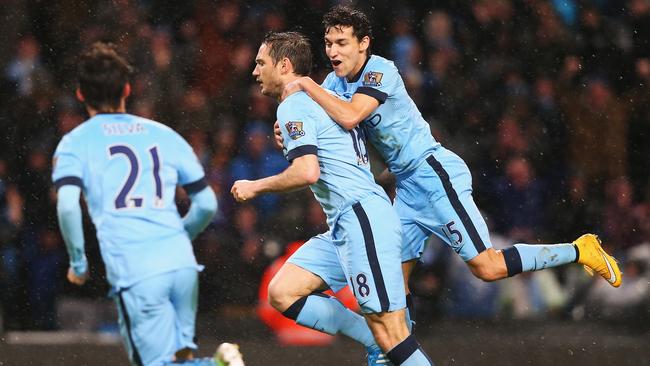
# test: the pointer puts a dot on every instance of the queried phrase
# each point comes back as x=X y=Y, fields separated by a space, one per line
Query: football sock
x=525 y=257
x=326 y=314
x=410 y=313
x=409 y=353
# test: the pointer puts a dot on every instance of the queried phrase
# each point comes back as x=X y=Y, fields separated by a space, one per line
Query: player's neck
x=354 y=75
x=92 y=112
x=285 y=94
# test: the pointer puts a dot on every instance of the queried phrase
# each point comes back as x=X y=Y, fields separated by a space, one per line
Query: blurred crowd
x=548 y=101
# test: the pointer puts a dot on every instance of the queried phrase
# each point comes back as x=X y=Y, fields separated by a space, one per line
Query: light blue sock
x=536 y=257
x=418 y=358
x=326 y=314
x=409 y=353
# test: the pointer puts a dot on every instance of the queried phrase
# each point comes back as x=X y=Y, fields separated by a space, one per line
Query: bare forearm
x=341 y=111
x=287 y=181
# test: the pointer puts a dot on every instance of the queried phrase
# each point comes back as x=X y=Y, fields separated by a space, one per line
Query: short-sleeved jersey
x=345 y=176
x=396 y=128
x=128 y=168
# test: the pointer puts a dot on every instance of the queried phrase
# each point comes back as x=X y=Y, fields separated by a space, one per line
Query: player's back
x=129 y=168
x=396 y=128
x=345 y=176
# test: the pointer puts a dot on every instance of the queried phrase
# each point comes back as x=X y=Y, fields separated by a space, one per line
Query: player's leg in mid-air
x=368 y=239
x=450 y=213
x=296 y=291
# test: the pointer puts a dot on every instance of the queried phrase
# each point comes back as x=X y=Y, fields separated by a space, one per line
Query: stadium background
x=547 y=101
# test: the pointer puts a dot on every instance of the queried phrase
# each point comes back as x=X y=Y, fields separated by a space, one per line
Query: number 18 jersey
x=128 y=168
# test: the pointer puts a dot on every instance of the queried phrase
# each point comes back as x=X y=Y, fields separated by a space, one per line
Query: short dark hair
x=292 y=45
x=346 y=16
x=102 y=74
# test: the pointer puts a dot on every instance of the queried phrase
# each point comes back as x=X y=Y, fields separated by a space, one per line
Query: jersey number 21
x=124 y=199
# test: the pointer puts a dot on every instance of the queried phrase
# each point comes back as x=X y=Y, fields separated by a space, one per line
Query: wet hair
x=102 y=74
x=292 y=45
x=346 y=16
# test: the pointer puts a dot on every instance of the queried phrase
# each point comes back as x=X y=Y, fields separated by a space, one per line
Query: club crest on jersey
x=295 y=129
x=372 y=78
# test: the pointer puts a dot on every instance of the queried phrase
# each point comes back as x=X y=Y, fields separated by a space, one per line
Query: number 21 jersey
x=128 y=168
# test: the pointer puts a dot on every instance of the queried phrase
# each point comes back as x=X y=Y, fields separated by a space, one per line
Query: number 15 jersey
x=128 y=168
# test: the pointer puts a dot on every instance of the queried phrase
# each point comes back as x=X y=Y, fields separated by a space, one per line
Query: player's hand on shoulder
x=277 y=133
x=243 y=190
x=78 y=280
x=292 y=87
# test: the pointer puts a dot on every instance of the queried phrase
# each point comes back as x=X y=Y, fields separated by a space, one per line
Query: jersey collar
x=358 y=75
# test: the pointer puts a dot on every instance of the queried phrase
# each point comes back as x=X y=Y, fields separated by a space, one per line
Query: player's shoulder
x=298 y=102
x=330 y=80
x=378 y=69
x=379 y=61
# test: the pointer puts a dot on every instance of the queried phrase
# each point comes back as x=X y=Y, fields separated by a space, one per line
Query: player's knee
x=276 y=296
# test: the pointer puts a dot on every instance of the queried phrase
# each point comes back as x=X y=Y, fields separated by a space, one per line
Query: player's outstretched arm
x=347 y=114
x=71 y=226
x=202 y=210
x=302 y=172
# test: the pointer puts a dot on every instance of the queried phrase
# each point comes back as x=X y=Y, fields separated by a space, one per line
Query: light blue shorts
x=363 y=250
x=437 y=199
x=157 y=316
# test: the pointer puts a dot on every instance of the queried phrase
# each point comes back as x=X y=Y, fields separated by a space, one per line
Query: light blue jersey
x=396 y=128
x=128 y=168
x=345 y=176
x=363 y=246
x=434 y=185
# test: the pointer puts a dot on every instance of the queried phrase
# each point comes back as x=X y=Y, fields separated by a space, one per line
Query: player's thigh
x=318 y=257
x=414 y=233
x=455 y=218
x=148 y=320
x=184 y=297
x=368 y=239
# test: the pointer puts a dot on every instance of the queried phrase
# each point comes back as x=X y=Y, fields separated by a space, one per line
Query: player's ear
x=285 y=66
x=127 y=90
x=80 y=97
x=364 y=43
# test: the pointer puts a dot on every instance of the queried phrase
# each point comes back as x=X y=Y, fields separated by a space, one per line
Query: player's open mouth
x=335 y=63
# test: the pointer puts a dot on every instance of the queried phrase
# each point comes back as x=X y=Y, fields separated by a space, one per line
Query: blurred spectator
x=26 y=69
x=521 y=212
x=622 y=218
x=258 y=159
x=598 y=132
x=11 y=266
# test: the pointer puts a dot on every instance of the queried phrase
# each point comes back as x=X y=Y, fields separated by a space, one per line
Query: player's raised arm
x=347 y=114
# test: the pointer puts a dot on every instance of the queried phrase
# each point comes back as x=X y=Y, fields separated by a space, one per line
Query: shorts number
x=453 y=231
x=362 y=285
x=124 y=199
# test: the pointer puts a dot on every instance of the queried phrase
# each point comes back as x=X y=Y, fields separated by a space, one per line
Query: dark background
x=547 y=101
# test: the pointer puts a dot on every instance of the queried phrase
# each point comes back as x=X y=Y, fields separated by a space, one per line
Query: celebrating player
x=128 y=169
x=434 y=187
x=362 y=247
